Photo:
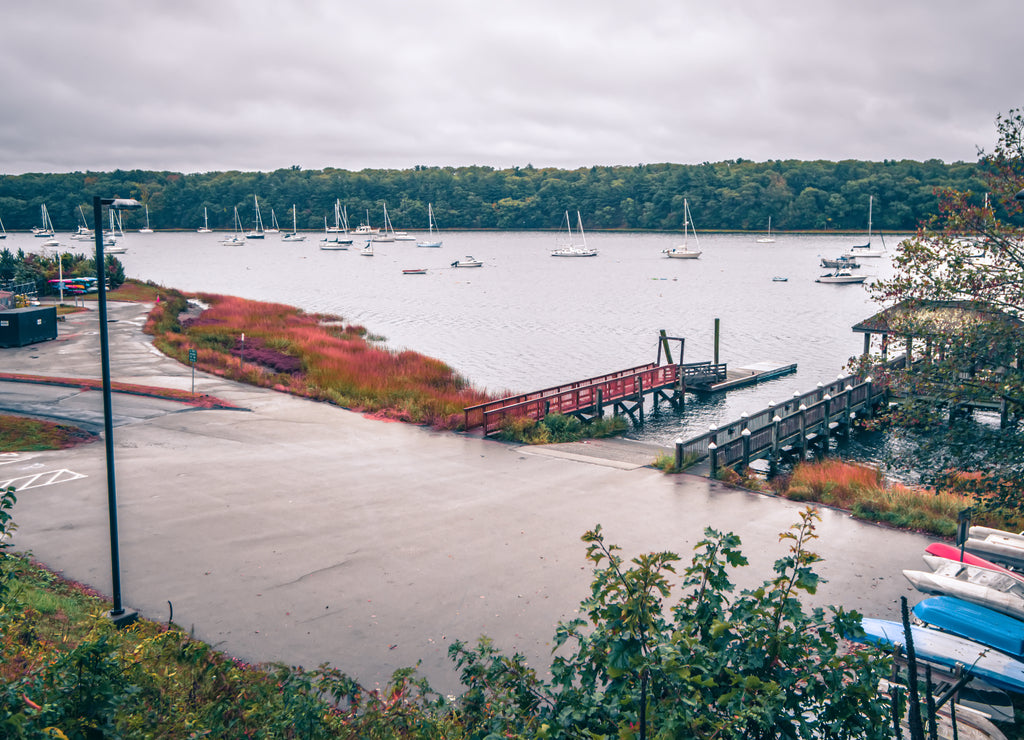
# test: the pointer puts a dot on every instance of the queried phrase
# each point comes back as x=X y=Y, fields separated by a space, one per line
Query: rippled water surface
x=526 y=320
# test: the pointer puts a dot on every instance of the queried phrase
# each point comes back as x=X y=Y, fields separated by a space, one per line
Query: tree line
x=734 y=195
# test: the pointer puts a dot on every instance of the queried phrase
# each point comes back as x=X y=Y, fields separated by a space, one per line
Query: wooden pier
x=806 y=422
x=623 y=391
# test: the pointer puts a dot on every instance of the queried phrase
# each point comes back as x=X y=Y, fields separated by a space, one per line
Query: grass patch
x=22 y=434
x=863 y=491
x=555 y=428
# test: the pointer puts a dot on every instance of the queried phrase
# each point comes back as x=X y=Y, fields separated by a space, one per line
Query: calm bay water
x=526 y=321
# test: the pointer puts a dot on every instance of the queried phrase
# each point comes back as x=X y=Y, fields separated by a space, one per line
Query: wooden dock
x=623 y=391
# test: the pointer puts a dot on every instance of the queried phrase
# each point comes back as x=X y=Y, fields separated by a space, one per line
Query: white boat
x=1004 y=548
x=431 y=228
x=295 y=236
x=769 y=239
x=46 y=232
x=83 y=233
x=236 y=239
x=205 y=228
x=3 y=231
x=865 y=250
x=110 y=239
x=683 y=251
x=467 y=261
x=388 y=233
x=274 y=226
x=998 y=591
x=843 y=262
x=571 y=248
x=367 y=251
x=841 y=276
x=341 y=225
x=257 y=231
x=146 y=229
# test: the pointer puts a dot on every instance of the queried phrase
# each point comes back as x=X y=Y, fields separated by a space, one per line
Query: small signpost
x=963 y=528
x=192 y=357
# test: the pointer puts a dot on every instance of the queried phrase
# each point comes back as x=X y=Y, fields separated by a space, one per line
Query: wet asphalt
x=299 y=532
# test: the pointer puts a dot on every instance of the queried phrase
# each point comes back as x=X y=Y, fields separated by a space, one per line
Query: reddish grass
x=319 y=357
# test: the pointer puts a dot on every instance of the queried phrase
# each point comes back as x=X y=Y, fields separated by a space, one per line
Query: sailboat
x=367 y=251
x=205 y=228
x=295 y=236
x=768 y=239
x=340 y=225
x=683 y=251
x=571 y=249
x=110 y=241
x=388 y=233
x=257 y=231
x=46 y=232
x=274 y=226
x=431 y=227
x=236 y=239
x=83 y=233
x=146 y=230
x=865 y=250
x=3 y=231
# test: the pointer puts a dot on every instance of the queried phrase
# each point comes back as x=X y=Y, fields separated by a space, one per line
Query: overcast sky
x=203 y=85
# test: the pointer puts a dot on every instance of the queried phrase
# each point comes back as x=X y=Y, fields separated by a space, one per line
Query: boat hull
x=973 y=622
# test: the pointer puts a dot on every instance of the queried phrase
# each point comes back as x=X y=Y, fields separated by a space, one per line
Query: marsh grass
x=312 y=355
x=863 y=491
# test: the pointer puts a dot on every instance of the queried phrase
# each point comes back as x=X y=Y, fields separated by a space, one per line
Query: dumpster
x=21 y=326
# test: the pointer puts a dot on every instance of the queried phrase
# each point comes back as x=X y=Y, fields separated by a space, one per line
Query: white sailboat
x=367 y=251
x=46 y=232
x=110 y=240
x=83 y=233
x=768 y=239
x=205 y=228
x=146 y=230
x=683 y=251
x=431 y=227
x=295 y=236
x=236 y=239
x=257 y=231
x=341 y=225
x=388 y=233
x=865 y=250
x=571 y=248
x=274 y=227
x=3 y=231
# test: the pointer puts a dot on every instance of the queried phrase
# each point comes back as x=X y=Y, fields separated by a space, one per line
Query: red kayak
x=942 y=550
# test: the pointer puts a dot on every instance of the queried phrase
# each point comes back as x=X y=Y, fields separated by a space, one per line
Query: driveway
x=299 y=532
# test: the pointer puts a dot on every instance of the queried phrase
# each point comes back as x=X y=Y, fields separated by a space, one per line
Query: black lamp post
x=118 y=615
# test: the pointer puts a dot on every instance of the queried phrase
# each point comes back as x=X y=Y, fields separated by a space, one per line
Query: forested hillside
x=733 y=195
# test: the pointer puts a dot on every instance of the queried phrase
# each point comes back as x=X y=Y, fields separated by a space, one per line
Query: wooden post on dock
x=803 y=432
x=668 y=349
x=597 y=410
x=826 y=431
x=717 y=327
x=773 y=459
x=640 y=398
x=746 y=447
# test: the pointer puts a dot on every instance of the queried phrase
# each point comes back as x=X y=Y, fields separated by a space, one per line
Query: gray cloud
x=198 y=86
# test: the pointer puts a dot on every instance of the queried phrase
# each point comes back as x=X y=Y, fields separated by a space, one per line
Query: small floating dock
x=739 y=377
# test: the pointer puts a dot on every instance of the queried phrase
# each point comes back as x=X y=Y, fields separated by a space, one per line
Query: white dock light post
x=118 y=615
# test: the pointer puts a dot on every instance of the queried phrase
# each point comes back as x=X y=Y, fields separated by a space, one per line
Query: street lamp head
x=121 y=204
x=1019 y=195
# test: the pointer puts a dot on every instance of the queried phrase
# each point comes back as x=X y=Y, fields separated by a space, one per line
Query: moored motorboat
x=415 y=271
x=841 y=277
x=467 y=261
x=842 y=262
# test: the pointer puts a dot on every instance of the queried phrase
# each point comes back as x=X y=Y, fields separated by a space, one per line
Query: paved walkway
x=299 y=532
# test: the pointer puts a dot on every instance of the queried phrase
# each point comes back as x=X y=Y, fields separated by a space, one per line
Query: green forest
x=735 y=195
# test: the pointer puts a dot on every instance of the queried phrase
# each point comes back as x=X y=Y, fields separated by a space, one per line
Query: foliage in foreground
x=642 y=664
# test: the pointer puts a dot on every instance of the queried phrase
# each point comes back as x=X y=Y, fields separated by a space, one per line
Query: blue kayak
x=991 y=666
x=974 y=622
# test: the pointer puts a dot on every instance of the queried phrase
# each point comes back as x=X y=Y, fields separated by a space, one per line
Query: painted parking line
x=38 y=480
x=6 y=458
